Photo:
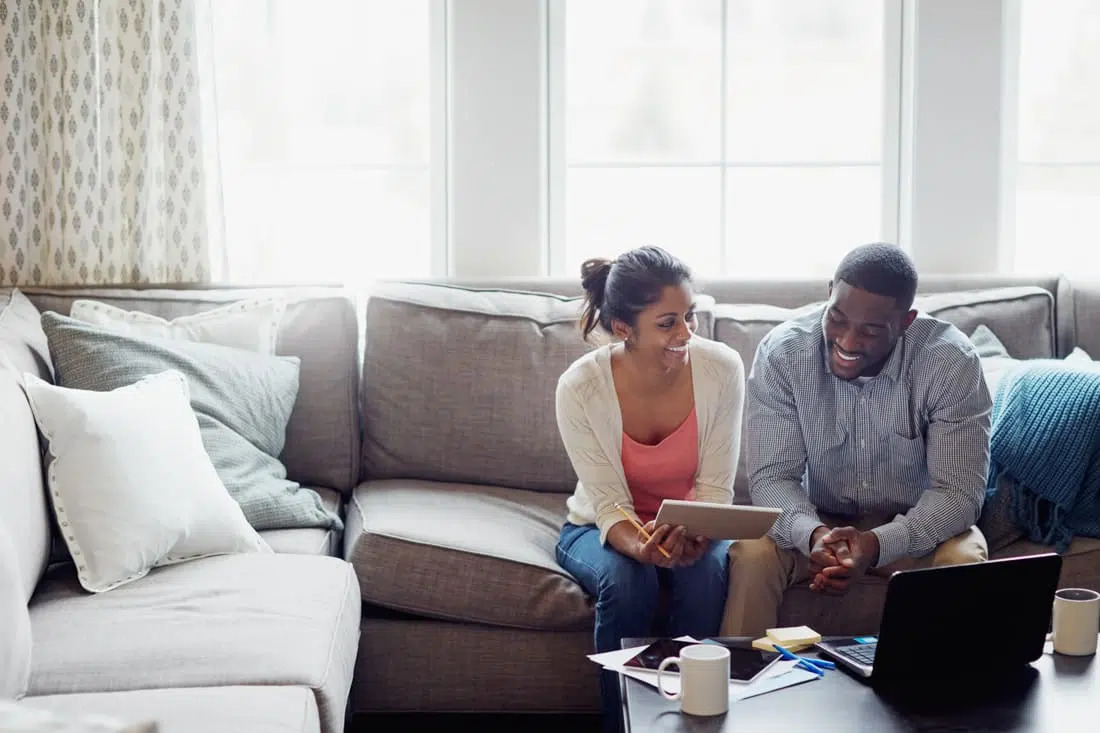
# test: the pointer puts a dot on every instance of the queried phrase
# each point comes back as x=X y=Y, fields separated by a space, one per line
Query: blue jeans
x=626 y=593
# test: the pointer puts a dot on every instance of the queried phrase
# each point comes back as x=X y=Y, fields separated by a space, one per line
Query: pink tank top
x=663 y=471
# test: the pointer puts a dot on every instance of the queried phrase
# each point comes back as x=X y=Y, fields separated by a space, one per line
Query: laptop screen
x=1001 y=607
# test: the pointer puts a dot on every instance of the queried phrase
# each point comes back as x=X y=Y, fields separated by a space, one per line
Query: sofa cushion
x=1080 y=562
x=1023 y=316
x=464 y=553
x=22 y=718
x=458 y=384
x=23 y=504
x=15 y=624
x=228 y=620
x=310 y=540
x=281 y=709
x=318 y=326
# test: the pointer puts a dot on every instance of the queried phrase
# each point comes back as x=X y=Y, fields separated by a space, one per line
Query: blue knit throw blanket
x=1046 y=434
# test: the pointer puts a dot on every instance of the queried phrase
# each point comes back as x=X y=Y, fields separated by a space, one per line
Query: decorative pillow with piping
x=130 y=482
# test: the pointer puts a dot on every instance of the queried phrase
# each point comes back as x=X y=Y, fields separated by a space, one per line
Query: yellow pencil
x=641 y=530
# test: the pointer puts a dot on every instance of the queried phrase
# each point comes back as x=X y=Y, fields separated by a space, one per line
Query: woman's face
x=663 y=329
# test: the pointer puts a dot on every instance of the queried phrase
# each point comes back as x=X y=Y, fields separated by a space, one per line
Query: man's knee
x=967 y=547
x=760 y=558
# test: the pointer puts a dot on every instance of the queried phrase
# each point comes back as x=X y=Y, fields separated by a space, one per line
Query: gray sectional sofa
x=425 y=414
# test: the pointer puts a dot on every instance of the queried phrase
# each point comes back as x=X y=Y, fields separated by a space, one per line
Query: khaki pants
x=760 y=572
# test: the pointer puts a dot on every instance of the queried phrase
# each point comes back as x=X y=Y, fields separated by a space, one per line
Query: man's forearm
x=796 y=525
x=936 y=518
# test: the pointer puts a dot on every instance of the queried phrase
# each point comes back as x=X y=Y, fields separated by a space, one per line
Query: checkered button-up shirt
x=912 y=442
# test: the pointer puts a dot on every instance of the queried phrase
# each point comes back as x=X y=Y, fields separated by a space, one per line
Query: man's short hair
x=882 y=269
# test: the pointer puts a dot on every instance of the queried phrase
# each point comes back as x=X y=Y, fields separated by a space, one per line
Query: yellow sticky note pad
x=765 y=644
x=790 y=636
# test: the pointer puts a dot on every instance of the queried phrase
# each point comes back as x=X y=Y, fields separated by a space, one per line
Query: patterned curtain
x=101 y=158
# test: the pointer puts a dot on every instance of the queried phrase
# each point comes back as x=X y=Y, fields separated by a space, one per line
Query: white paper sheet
x=617 y=659
x=781 y=674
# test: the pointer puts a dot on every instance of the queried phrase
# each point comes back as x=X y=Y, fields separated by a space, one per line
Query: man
x=868 y=425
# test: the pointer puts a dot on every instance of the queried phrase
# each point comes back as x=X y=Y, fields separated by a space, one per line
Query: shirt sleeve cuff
x=893 y=542
x=609 y=518
x=802 y=528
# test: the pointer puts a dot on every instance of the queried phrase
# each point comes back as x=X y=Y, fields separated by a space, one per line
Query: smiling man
x=868 y=424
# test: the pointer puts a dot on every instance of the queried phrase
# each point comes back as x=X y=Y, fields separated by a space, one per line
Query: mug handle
x=661 y=668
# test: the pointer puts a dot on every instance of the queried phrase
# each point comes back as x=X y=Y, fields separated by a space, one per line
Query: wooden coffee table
x=1054 y=693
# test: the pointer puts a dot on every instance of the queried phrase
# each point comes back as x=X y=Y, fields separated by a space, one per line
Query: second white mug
x=704 y=679
x=1076 y=621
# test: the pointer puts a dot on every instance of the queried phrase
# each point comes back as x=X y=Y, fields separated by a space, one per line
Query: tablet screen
x=745 y=664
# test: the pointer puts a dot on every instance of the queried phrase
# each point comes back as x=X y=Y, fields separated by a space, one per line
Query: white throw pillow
x=1078 y=356
x=252 y=325
x=131 y=485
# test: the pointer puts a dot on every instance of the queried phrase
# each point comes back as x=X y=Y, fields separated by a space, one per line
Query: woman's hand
x=626 y=538
x=694 y=548
x=666 y=536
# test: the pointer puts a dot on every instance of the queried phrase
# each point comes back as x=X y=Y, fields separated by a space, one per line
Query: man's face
x=861 y=329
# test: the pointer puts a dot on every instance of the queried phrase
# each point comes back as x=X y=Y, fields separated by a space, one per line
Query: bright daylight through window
x=323 y=124
x=727 y=131
x=1058 y=173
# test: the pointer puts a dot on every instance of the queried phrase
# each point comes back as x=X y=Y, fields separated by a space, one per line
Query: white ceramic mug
x=1076 y=621
x=704 y=679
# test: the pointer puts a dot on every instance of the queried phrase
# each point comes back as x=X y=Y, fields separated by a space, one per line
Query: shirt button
x=862 y=443
x=865 y=484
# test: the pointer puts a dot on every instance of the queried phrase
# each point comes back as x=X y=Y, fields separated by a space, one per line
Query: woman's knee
x=712 y=566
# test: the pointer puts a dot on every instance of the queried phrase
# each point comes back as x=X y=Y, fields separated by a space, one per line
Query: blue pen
x=817 y=666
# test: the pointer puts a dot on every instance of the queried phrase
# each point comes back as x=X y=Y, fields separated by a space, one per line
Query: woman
x=654 y=415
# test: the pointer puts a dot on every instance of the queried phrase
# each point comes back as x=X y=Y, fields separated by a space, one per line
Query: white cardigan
x=591 y=427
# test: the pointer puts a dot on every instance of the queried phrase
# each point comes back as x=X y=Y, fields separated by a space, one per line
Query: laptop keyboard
x=862 y=653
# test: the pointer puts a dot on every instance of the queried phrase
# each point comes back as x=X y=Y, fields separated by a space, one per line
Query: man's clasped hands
x=840 y=555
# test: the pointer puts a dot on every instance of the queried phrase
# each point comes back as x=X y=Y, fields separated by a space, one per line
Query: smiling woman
x=654 y=415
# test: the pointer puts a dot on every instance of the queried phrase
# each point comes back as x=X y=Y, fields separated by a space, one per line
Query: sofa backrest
x=1079 y=313
x=24 y=508
x=515 y=343
x=319 y=326
x=458 y=384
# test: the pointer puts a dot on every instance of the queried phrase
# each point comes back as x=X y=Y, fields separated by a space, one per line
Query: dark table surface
x=1054 y=693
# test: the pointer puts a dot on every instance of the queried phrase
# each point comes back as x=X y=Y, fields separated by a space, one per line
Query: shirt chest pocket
x=896 y=418
x=903 y=452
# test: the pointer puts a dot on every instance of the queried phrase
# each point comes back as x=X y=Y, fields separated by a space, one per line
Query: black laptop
x=956 y=621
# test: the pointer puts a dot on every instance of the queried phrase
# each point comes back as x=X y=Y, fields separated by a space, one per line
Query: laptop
x=956 y=621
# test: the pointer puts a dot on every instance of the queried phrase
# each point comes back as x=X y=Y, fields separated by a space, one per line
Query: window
x=1058 y=139
x=324 y=129
x=746 y=136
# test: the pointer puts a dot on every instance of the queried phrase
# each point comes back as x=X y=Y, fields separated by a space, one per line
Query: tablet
x=745 y=664
x=718 y=521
